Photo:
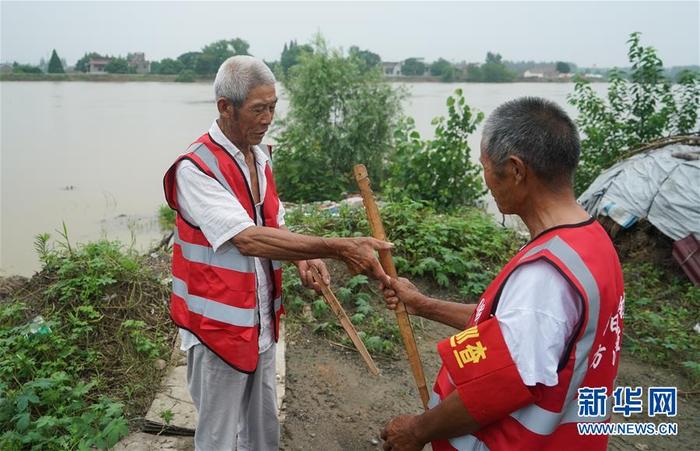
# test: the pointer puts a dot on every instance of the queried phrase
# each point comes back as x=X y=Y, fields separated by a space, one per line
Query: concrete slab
x=174 y=401
x=140 y=441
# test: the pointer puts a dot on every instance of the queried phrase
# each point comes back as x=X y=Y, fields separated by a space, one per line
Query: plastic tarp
x=661 y=185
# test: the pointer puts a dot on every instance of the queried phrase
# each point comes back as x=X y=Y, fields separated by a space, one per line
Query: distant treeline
x=205 y=62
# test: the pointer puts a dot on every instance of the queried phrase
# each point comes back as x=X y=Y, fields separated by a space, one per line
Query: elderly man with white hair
x=227 y=275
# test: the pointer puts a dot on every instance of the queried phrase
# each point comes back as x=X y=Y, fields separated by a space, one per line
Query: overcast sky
x=584 y=32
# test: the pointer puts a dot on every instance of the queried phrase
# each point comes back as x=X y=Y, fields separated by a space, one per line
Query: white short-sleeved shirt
x=203 y=202
x=538 y=312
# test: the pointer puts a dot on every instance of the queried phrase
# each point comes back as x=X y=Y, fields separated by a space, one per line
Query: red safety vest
x=584 y=255
x=214 y=293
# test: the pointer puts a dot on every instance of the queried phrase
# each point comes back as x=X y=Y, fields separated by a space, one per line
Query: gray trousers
x=231 y=403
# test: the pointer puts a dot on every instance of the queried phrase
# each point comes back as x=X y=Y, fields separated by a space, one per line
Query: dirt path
x=334 y=403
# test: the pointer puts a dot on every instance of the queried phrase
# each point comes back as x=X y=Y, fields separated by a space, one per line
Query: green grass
x=166 y=218
x=463 y=250
x=78 y=346
x=661 y=310
x=459 y=252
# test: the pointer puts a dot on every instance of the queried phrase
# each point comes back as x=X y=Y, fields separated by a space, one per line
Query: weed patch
x=78 y=345
x=661 y=311
x=459 y=252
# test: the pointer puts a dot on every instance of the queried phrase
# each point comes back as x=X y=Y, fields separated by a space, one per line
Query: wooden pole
x=387 y=262
x=334 y=304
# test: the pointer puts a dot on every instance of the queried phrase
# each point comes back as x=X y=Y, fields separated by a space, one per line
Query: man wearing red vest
x=226 y=270
x=548 y=325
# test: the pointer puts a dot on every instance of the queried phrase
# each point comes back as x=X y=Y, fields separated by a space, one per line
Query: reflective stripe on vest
x=464 y=442
x=278 y=304
x=533 y=417
x=210 y=160
x=222 y=286
x=227 y=256
x=211 y=309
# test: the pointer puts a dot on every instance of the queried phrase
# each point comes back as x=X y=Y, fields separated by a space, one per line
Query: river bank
x=79 y=76
x=90 y=332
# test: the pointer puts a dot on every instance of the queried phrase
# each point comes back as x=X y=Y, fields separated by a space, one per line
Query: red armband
x=481 y=368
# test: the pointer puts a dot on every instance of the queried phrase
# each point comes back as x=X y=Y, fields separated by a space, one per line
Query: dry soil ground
x=334 y=403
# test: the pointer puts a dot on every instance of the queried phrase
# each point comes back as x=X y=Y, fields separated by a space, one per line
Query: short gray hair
x=539 y=132
x=238 y=75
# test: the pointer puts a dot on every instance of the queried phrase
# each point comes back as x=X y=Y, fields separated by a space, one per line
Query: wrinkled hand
x=304 y=267
x=399 y=434
x=358 y=254
x=403 y=290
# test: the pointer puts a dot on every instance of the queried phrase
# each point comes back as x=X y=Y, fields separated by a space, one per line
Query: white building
x=392 y=69
x=528 y=74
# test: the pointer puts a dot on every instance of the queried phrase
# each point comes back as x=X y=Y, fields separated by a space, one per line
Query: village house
x=137 y=62
x=392 y=69
x=530 y=74
x=97 y=65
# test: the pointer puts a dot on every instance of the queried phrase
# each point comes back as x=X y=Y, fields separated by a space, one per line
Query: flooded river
x=92 y=155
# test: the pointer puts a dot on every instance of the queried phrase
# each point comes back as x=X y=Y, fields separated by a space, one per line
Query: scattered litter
x=329 y=206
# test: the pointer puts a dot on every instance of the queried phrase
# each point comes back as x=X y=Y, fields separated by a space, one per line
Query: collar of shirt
x=261 y=157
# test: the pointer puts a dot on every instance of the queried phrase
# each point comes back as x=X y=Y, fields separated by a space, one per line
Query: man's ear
x=225 y=107
x=518 y=169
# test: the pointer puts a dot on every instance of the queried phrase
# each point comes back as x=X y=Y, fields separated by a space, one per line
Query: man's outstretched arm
x=279 y=244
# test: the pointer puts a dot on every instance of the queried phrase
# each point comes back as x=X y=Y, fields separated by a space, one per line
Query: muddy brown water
x=93 y=154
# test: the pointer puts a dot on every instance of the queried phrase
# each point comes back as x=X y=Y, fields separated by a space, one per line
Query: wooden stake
x=387 y=262
x=334 y=304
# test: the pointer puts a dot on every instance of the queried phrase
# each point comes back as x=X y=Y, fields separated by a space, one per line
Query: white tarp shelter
x=661 y=185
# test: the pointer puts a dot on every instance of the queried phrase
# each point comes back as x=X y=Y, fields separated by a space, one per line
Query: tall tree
x=240 y=46
x=473 y=72
x=169 y=66
x=412 y=66
x=117 y=66
x=370 y=59
x=563 y=68
x=55 y=65
x=207 y=63
x=494 y=58
x=291 y=55
x=214 y=54
x=189 y=60
x=494 y=70
x=443 y=69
